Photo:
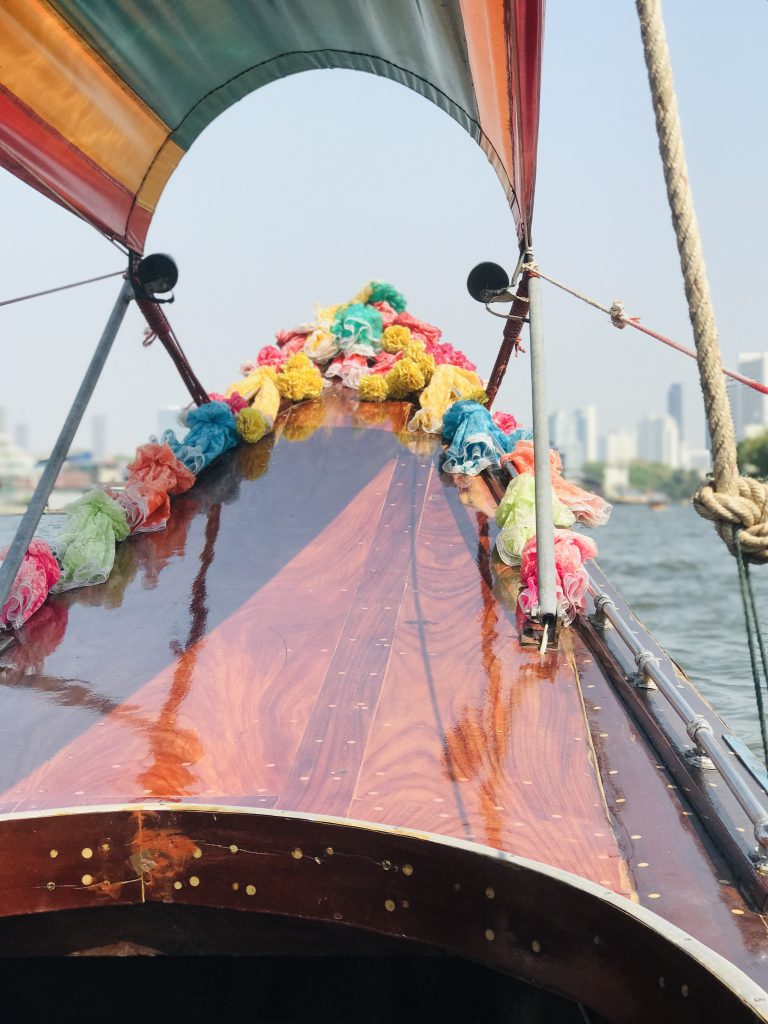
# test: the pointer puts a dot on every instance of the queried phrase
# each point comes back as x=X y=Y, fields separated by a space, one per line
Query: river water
x=677 y=576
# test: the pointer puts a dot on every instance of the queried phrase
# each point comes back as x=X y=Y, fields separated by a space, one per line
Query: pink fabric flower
x=352 y=369
x=505 y=421
x=418 y=328
x=38 y=572
x=445 y=353
x=388 y=315
x=384 y=361
x=290 y=342
x=572 y=550
x=271 y=356
x=235 y=401
x=335 y=367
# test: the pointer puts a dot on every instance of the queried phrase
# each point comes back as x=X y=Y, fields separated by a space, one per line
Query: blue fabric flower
x=475 y=440
x=212 y=432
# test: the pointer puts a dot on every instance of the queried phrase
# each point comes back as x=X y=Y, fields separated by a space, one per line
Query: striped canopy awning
x=100 y=99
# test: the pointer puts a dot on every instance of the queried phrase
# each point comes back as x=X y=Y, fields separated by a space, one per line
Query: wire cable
x=61 y=288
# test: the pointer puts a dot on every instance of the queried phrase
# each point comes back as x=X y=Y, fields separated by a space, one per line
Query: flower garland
x=374 y=346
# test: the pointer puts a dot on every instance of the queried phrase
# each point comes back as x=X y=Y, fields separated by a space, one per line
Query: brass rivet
x=536 y=946
x=337 y=917
x=87 y=879
x=87 y=853
x=329 y=850
x=178 y=885
x=490 y=893
x=735 y=910
x=296 y=853
x=389 y=905
x=407 y=869
x=197 y=853
x=235 y=886
x=54 y=853
x=251 y=890
x=50 y=886
x=387 y=865
x=194 y=881
x=233 y=848
x=105 y=847
x=490 y=934
x=405 y=904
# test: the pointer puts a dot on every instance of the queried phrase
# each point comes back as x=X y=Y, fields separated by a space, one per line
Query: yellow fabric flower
x=362 y=296
x=299 y=379
x=479 y=395
x=267 y=398
x=395 y=338
x=449 y=383
x=404 y=378
x=373 y=388
x=252 y=424
x=324 y=315
x=255 y=379
x=321 y=345
x=415 y=350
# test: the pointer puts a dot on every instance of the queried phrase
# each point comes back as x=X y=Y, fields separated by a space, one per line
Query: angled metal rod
x=545 y=531
x=29 y=522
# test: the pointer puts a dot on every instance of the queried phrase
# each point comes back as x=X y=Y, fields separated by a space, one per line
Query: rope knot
x=745 y=510
x=617 y=314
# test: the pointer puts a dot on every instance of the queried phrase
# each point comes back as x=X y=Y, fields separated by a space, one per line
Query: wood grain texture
x=475 y=736
x=323 y=628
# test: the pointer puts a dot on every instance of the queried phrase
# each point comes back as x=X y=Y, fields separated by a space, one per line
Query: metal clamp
x=642 y=681
x=600 y=620
x=696 y=755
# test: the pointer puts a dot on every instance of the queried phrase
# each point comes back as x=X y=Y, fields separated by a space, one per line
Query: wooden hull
x=321 y=653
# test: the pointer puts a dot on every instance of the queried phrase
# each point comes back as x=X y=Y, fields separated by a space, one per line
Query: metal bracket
x=532 y=634
x=759 y=858
x=599 y=619
x=640 y=680
x=698 y=758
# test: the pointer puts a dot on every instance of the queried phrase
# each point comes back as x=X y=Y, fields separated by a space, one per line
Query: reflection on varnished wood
x=465 y=707
x=175 y=749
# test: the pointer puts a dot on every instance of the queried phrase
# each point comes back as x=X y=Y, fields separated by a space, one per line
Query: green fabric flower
x=383 y=292
x=86 y=547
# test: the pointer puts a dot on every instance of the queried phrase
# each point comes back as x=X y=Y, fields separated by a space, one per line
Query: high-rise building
x=564 y=436
x=21 y=436
x=99 y=438
x=675 y=407
x=658 y=440
x=619 y=447
x=586 y=431
x=750 y=408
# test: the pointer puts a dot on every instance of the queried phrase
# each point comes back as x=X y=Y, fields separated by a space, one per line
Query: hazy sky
x=311 y=186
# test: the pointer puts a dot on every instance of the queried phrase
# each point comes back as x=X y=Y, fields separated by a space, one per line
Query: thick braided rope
x=732 y=495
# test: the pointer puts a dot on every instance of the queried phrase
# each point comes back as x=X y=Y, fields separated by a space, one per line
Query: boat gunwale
x=434 y=859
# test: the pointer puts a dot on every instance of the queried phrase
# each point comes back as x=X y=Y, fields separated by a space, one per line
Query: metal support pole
x=545 y=531
x=26 y=528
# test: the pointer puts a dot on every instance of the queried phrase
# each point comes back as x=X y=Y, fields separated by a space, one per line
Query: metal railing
x=709 y=750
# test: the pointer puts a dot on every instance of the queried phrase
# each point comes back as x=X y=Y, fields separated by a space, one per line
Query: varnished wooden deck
x=321 y=630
